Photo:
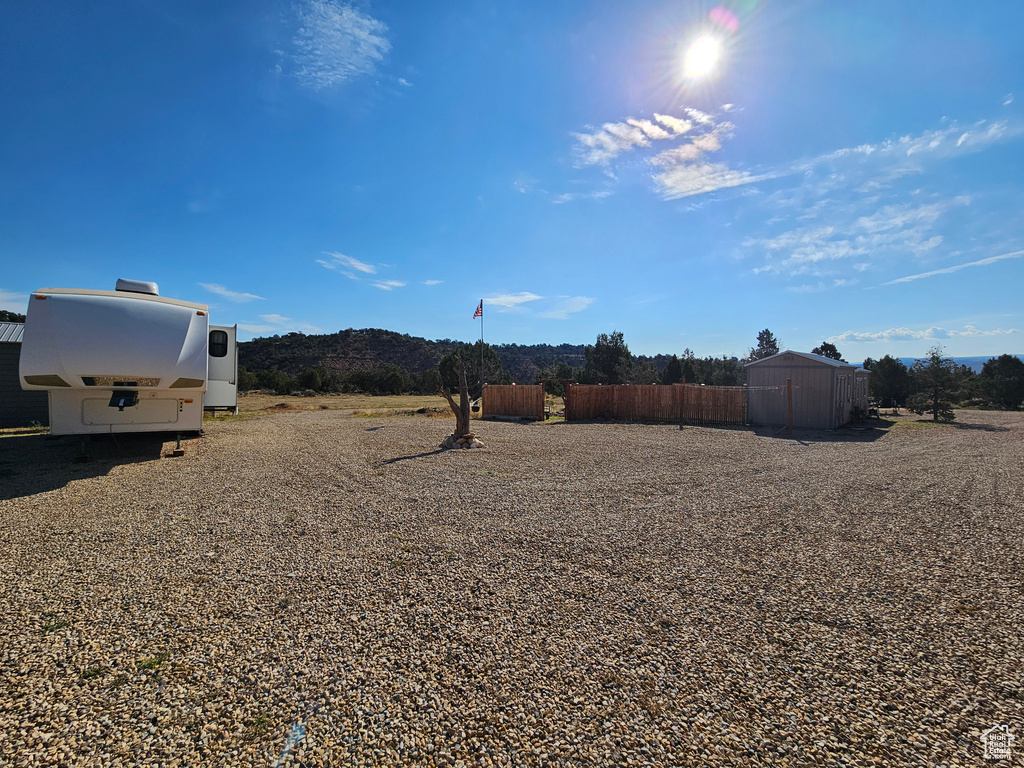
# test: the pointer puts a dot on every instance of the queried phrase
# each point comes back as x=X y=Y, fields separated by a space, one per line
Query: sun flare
x=701 y=57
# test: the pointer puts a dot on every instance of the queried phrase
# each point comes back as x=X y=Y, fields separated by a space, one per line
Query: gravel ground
x=318 y=589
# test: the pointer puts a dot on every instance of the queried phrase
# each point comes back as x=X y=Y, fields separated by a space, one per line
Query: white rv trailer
x=127 y=360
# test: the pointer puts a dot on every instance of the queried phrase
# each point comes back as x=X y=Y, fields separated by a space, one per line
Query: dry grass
x=260 y=402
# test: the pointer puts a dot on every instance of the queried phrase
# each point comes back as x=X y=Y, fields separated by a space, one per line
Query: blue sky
x=843 y=171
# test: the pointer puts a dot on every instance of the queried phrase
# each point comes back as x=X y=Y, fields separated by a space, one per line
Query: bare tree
x=461 y=410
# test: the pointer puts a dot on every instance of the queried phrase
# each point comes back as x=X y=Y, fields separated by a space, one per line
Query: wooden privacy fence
x=688 y=403
x=523 y=400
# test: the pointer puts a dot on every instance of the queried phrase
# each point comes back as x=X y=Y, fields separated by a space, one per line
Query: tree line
x=935 y=384
x=607 y=361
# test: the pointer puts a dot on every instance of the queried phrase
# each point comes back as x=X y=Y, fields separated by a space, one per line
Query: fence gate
x=523 y=400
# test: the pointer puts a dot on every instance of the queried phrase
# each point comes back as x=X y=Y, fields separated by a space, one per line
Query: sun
x=701 y=57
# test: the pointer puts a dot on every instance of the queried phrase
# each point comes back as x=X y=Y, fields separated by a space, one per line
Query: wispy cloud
x=568 y=197
x=336 y=42
x=403 y=82
x=888 y=232
x=237 y=296
x=274 y=323
x=821 y=286
x=346 y=265
x=685 y=168
x=682 y=179
x=432 y=282
x=681 y=170
x=508 y=301
x=957 y=268
x=877 y=166
x=13 y=302
x=565 y=306
x=388 y=285
x=934 y=333
x=602 y=146
x=1008 y=100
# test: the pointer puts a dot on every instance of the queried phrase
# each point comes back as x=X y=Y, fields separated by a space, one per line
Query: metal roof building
x=18 y=408
x=825 y=391
x=12 y=332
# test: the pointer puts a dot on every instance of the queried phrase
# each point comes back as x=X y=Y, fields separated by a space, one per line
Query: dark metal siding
x=18 y=408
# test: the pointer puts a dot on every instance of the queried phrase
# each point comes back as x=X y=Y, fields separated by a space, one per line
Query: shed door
x=844 y=399
x=222 y=371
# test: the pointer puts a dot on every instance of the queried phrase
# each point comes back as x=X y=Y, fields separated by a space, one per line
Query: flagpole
x=481 y=348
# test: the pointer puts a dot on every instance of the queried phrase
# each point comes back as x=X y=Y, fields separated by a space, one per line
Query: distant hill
x=974 y=363
x=369 y=348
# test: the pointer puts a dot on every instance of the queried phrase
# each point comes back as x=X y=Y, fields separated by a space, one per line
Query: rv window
x=218 y=343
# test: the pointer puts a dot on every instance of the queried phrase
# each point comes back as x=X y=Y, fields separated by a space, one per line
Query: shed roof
x=12 y=332
x=806 y=355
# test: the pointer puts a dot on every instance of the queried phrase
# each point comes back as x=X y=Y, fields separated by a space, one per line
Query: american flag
x=479 y=310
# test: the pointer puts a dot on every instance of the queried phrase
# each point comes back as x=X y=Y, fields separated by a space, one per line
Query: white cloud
x=684 y=171
x=821 y=286
x=970 y=330
x=336 y=42
x=869 y=168
x=258 y=329
x=274 y=323
x=650 y=130
x=678 y=126
x=565 y=306
x=388 y=285
x=339 y=262
x=684 y=153
x=957 y=267
x=404 y=82
x=511 y=300
x=230 y=295
x=13 y=302
x=889 y=232
x=1008 y=100
x=432 y=282
x=603 y=145
x=699 y=117
x=926 y=334
x=893 y=158
x=682 y=180
x=567 y=197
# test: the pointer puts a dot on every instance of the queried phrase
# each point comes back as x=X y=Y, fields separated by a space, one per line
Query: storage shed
x=17 y=407
x=825 y=391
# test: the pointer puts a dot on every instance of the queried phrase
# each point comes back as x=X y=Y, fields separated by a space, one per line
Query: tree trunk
x=461 y=410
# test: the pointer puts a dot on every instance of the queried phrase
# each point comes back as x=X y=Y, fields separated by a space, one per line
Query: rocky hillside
x=369 y=348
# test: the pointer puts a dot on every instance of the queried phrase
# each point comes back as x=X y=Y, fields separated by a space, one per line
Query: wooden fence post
x=788 y=429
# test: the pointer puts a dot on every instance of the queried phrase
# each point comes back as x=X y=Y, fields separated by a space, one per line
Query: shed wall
x=813 y=393
x=18 y=408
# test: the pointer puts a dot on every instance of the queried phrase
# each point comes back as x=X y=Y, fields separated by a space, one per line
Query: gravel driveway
x=320 y=589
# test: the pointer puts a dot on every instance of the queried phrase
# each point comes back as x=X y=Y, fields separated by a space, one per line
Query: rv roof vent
x=137 y=286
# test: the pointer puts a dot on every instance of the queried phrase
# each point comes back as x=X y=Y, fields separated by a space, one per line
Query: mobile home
x=127 y=360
